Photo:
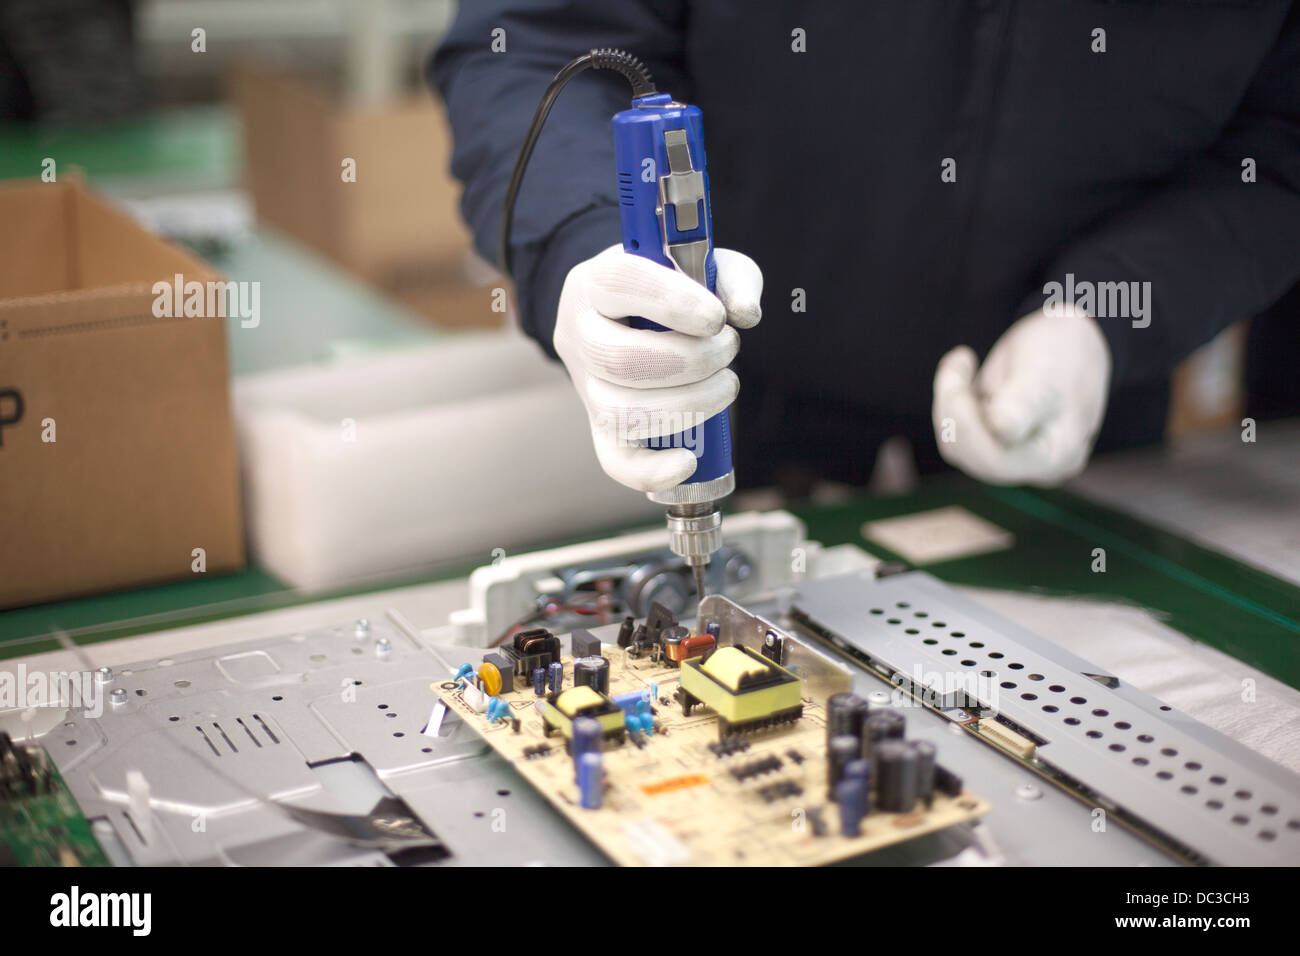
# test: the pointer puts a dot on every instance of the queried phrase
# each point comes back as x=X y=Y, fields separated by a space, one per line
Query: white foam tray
x=402 y=461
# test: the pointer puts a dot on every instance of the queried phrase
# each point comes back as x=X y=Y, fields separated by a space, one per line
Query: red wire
x=549 y=610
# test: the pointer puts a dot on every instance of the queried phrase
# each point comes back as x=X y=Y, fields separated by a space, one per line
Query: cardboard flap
x=35 y=245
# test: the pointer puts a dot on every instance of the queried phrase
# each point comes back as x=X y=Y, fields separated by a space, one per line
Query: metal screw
x=105 y=675
x=118 y=696
x=362 y=629
x=1027 y=791
x=383 y=646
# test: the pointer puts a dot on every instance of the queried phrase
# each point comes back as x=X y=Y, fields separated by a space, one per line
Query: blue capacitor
x=539 y=681
x=714 y=630
x=632 y=700
x=851 y=796
x=648 y=724
x=591 y=780
x=555 y=676
x=858 y=769
x=586 y=738
x=466 y=670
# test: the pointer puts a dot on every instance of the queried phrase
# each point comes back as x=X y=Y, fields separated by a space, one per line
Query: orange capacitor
x=490 y=677
x=688 y=647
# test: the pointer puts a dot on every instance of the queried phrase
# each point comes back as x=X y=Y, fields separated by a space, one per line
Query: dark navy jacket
x=825 y=166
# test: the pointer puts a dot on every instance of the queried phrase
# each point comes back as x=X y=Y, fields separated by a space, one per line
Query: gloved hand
x=638 y=383
x=1031 y=413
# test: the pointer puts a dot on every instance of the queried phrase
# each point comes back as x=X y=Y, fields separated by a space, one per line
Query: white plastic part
x=397 y=462
x=502 y=592
x=137 y=796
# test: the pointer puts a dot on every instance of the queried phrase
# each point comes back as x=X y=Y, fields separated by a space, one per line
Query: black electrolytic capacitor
x=947 y=782
x=896 y=766
x=845 y=714
x=840 y=750
x=881 y=725
x=925 y=755
x=592 y=672
x=625 y=631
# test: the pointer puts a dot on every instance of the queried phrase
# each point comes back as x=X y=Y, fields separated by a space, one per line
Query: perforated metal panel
x=1123 y=748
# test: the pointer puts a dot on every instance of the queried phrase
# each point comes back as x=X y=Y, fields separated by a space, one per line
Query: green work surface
x=198 y=147
x=1237 y=609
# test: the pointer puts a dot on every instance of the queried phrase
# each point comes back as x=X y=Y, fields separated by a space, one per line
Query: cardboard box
x=386 y=498
x=398 y=222
x=117 y=454
x=457 y=300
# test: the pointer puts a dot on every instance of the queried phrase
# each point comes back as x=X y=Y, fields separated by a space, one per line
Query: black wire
x=618 y=60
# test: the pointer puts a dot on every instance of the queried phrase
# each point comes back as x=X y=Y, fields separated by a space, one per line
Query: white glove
x=638 y=383
x=1031 y=414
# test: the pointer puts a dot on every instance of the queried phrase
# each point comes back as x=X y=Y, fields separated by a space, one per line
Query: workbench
x=1200 y=592
x=1215 y=596
x=1218 y=600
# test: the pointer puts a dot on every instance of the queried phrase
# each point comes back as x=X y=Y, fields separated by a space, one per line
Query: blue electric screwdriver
x=663 y=191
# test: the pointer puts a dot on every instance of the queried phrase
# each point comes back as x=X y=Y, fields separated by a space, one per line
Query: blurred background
x=368 y=414
x=205 y=116
x=385 y=416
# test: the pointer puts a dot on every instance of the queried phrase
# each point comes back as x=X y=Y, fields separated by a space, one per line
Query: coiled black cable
x=621 y=62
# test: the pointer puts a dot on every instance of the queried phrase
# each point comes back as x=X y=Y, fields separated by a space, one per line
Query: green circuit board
x=40 y=822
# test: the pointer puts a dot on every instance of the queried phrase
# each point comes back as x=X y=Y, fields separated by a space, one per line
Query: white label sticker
x=940 y=535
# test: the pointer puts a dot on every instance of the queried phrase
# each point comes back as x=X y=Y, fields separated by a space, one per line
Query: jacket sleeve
x=1214 y=247
x=491 y=69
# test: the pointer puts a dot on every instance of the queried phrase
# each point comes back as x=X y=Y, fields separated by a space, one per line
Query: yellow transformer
x=565 y=706
x=745 y=689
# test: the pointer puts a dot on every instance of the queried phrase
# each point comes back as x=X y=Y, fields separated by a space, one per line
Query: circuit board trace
x=682 y=795
x=40 y=822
